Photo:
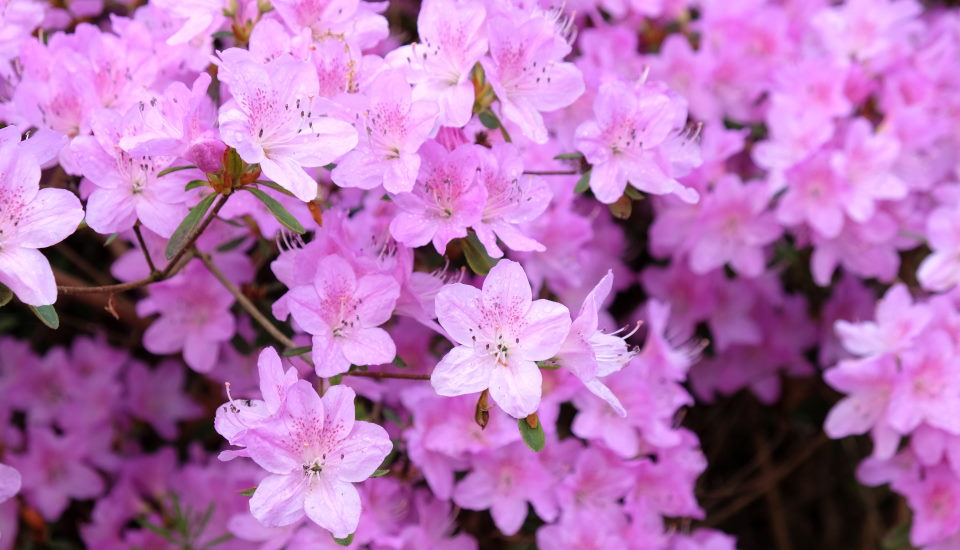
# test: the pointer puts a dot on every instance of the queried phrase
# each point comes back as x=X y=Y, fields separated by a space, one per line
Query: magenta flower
x=30 y=218
x=505 y=481
x=200 y=17
x=590 y=353
x=127 y=187
x=527 y=71
x=156 y=396
x=941 y=270
x=513 y=198
x=935 y=501
x=446 y=200
x=194 y=317
x=500 y=332
x=314 y=450
x=9 y=482
x=276 y=119
x=929 y=391
x=899 y=322
x=344 y=312
x=54 y=470
x=392 y=128
x=452 y=40
x=734 y=226
x=637 y=138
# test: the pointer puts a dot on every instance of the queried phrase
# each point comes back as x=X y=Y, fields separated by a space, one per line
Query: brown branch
x=172 y=268
x=144 y=249
x=551 y=172
x=245 y=302
x=381 y=375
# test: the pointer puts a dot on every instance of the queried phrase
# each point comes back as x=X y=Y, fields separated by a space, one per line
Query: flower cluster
x=481 y=269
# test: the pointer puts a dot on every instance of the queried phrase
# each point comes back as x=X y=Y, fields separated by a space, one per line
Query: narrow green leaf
x=110 y=239
x=156 y=529
x=489 y=120
x=583 y=183
x=380 y=473
x=219 y=540
x=330 y=166
x=47 y=315
x=248 y=492
x=399 y=362
x=347 y=541
x=548 y=365
x=202 y=524
x=194 y=184
x=293 y=352
x=533 y=437
x=5 y=295
x=186 y=227
x=568 y=156
x=222 y=34
x=276 y=187
x=285 y=218
x=232 y=244
x=336 y=380
x=173 y=169
x=477 y=258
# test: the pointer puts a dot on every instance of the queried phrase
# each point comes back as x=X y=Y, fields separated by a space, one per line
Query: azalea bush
x=461 y=274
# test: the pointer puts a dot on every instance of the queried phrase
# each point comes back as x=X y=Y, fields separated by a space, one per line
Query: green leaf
x=489 y=120
x=276 y=187
x=285 y=218
x=568 y=156
x=5 y=295
x=293 y=352
x=222 y=34
x=232 y=244
x=634 y=193
x=48 y=315
x=399 y=362
x=533 y=437
x=110 y=239
x=202 y=524
x=194 y=184
x=548 y=365
x=477 y=258
x=336 y=380
x=897 y=538
x=219 y=540
x=583 y=183
x=156 y=529
x=173 y=169
x=186 y=227
x=248 y=492
x=380 y=473
x=346 y=541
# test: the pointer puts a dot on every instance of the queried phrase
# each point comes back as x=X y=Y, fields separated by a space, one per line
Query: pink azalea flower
x=30 y=218
x=593 y=490
x=314 y=450
x=54 y=471
x=590 y=353
x=868 y=384
x=898 y=323
x=194 y=317
x=156 y=396
x=513 y=198
x=935 y=501
x=500 y=332
x=930 y=390
x=734 y=226
x=637 y=138
x=865 y=28
x=127 y=187
x=361 y=21
x=941 y=270
x=866 y=165
x=276 y=119
x=201 y=17
x=392 y=128
x=343 y=312
x=504 y=482
x=526 y=70
x=435 y=528
x=446 y=200
x=452 y=40
x=9 y=482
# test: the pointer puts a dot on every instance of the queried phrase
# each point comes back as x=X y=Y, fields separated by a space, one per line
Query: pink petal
x=461 y=371
x=458 y=312
x=333 y=505
x=279 y=499
x=362 y=452
x=516 y=387
x=548 y=324
x=27 y=273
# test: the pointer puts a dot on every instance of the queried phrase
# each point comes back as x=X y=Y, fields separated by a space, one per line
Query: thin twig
x=172 y=268
x=245 y=302
x=551 y=172
x=143 y=247
x=379 y=375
